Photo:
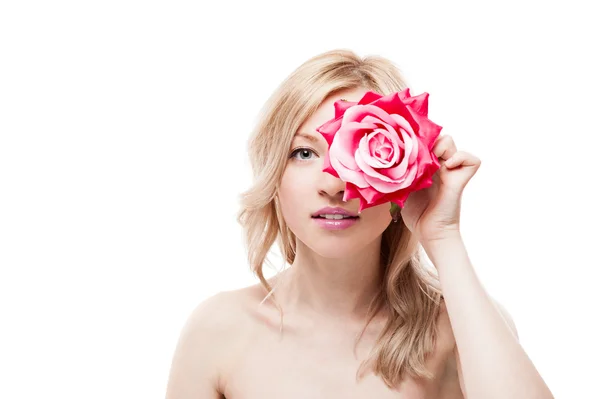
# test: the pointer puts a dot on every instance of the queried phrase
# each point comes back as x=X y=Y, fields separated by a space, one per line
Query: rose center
x=380 y=148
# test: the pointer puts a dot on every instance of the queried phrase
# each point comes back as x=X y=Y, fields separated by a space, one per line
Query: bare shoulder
x=206 y=345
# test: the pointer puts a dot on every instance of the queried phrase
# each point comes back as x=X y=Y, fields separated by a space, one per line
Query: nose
x=331 y=186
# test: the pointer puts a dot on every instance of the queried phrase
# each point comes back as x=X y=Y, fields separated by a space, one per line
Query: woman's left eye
x=303 y=151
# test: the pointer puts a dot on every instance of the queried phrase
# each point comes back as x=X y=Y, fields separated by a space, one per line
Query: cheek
x=294 y=193
x=379 y=217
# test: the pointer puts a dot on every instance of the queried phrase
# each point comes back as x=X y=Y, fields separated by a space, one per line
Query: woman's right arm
x=195 y=367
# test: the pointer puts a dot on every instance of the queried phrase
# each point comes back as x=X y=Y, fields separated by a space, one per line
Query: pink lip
x=333 y=211
x=335 y=224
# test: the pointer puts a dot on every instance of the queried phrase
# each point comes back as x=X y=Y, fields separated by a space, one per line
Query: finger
x=462 y=158
x=444 y=147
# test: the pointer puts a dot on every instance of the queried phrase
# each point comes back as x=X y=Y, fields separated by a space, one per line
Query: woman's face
x=305 y=189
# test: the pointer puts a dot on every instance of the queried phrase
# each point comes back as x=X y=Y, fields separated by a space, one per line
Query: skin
x=231 y=346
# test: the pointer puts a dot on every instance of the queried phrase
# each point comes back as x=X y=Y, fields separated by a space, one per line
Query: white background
x=123 y=151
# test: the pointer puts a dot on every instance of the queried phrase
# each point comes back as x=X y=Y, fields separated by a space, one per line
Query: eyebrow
x=307 y=136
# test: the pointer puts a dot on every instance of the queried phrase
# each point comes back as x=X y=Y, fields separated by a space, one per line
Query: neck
x=331 y=288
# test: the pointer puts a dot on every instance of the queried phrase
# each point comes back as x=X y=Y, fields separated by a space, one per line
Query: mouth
x=335 y=222
x=334 y=217
x=334 y=213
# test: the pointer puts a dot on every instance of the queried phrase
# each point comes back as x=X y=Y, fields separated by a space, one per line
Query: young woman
x=358 y=314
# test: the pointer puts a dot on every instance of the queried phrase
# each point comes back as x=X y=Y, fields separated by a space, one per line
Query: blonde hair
x=409 y=291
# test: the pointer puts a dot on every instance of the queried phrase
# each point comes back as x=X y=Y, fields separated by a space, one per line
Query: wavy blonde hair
x=410 y=291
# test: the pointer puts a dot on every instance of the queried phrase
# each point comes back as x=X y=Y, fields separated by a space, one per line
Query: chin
x=334 y=248
x=343 y=243
x=337 y=243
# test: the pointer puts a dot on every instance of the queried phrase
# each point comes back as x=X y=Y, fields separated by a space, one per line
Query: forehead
x=325 y=111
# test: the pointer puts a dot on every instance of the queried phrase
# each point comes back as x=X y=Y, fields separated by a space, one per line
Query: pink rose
x=381 y=147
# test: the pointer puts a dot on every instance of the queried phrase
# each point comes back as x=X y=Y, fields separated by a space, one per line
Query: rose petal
x=380 y=148
x=428 y=131
x=341 y=106
x=370 y=194
x=375 y=179
x=393 y=134
x=399 y=197
x=389 y=187
x=411 y=142
x=428 y=170
x=392 y=104
x=351 y=192
x=419 y=104
x=419 y=108
x=347 y=140
x=327 y=166
x=369 y=97
x=394 y=175
x=366 y=153
x=329 y=129
x=359 y=112
x=348 y=175
x=402 y=123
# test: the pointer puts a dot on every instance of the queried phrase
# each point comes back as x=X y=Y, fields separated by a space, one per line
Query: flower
x=381 y=146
